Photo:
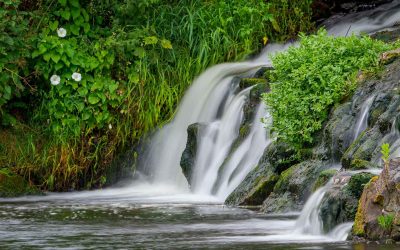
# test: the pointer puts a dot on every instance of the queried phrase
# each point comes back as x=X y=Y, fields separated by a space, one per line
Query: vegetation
x=81 y=80
x=386 y=221
x=311 y=78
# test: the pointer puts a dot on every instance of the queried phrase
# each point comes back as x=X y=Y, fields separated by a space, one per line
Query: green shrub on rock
x=309 y=79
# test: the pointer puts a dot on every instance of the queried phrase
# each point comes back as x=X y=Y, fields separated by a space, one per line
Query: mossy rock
x=323 y=178
x=389 y=56
x=261 y=191
x=248 y=82
x=12 y=185
x=281 y=156
x=357 y=182
x=359 y=164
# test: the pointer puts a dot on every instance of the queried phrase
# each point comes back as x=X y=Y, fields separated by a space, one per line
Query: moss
x=261 y=191
x=12 y=185
x=389 y=56
x=357 y=182
x=358 y=164
x=358 y=227
x=323 y=178
x=284 y=179
x=248 y=82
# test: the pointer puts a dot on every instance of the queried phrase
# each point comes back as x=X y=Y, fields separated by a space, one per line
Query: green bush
x=309 y=79
x=386 y=221
x=14 y=49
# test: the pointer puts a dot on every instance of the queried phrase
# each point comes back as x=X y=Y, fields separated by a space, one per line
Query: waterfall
x=214 y=99
x=362 y=121
x=309 y=221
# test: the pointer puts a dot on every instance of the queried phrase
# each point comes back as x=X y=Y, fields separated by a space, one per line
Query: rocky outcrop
x=340 y=202
x=293 y=187
x=378 y=214
x=189 y=154
x=260 y=182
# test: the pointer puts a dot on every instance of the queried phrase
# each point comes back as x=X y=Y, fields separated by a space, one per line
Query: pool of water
x=125 y=219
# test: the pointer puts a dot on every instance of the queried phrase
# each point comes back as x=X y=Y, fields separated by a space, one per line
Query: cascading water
x=309 y=221
x=362 y=121
x=215 y=100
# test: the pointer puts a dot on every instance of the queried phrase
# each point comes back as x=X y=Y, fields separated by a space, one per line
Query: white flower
x=109 y=126
x=76 y=76
x=55 y=79
x=61 y=32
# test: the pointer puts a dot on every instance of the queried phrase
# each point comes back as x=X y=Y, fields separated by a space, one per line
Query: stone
x=189 y=154
x=380 y=200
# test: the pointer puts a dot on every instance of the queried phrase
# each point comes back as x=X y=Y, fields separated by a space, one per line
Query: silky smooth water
x=159 y=210
x=115 y=219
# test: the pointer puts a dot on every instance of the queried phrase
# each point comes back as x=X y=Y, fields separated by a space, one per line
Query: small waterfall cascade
x=213 y=99
x=362 y=120
x=212 y=174
x=309 y=221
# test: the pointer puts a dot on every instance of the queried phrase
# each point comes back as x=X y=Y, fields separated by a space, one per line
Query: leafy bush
x=14 y=50
x=309 y=79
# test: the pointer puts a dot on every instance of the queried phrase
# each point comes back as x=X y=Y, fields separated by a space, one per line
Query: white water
x=309 y=221
x=215 y=100
x=362 y=121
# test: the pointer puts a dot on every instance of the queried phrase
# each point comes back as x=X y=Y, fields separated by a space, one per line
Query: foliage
x=386 y=221
x=309 y=79
x=85 y=79
x=385 y=150
x=14 y=49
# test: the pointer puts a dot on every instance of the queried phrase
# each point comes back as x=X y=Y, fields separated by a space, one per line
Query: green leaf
x=75 y=12
x=93 y=99
x=63 y=2
x=55 y=57
x=74 y=3
x=82 y=91
x=53 y=25
x=65 y=14
x=166 y=44
x=150 y=40
x=74 y=29
x=86 y=116
x=140 y=52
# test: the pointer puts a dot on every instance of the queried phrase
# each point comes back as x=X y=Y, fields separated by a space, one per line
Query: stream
x=127 y=219
x=158 y=210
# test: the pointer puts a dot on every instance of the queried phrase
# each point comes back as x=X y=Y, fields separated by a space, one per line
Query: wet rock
x=248 y=82
x=12 y=185
x=253 y=190
x=378 y=213
x=294 y=184
x=263 y=72
x=189 y=154
x=323 y=178
x=122 y=168
x=261 y=180
x=389 y=56
x=281 y=156
x=341 y=200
